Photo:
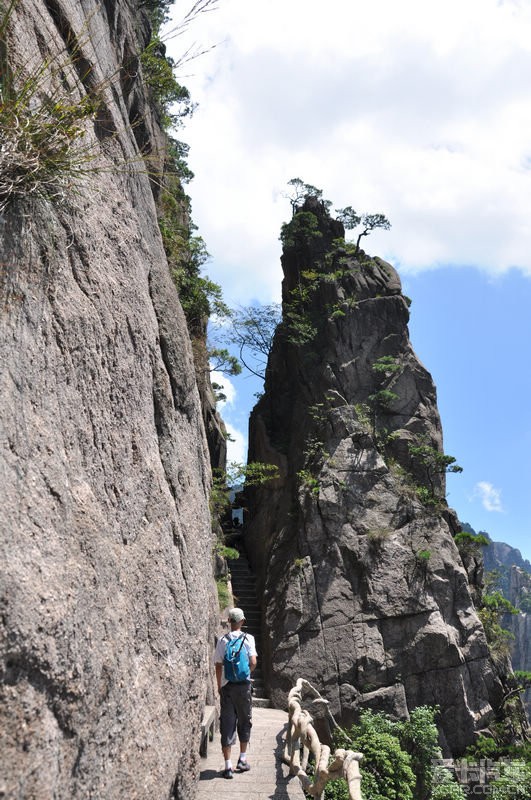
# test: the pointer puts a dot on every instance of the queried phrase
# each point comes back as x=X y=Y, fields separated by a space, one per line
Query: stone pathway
x=268 y=778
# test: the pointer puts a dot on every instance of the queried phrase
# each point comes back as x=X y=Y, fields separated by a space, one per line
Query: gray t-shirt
x=219 y=652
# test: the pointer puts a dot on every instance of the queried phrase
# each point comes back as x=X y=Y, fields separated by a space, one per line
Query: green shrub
x=309 y=481
x=386 y=767
x=470 y=544
x=445 y=787
x=419 y=737
x=227 y=552
x=166 y=91
x=514 y=782
x=224 y=595
x=45 y=149
x=400 y=758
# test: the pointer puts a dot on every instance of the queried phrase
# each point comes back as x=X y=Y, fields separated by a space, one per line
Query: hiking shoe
x=227 y=773
x=243 y=766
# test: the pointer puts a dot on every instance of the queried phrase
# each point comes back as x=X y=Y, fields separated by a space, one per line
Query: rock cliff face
x=514 y=580
x=364 y=591
x=107 y=595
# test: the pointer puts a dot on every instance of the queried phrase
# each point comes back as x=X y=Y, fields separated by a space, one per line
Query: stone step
x=244 y=590
x=261 y=702
x=245 y=597
x=249 y=604
x=240 y=567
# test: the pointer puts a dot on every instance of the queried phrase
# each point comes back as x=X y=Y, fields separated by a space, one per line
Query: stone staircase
x=244 y=591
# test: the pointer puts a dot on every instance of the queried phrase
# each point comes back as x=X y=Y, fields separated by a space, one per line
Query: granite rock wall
x=107 y=598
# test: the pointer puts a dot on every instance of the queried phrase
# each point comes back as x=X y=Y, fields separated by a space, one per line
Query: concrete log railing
x=302 y=734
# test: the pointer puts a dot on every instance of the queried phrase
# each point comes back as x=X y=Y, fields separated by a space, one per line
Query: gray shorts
x=236 y=713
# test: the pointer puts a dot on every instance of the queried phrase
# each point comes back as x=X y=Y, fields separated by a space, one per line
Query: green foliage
x=426 y=497
x=300 y=329
x=419 y=737
x=300 y=232
x=433 y=462
x=224 y=595
x=514 y=782
x=369 y=223
x=524 y=604
x=386 y=366
x=200 y=297
x=498 y=638
x=227 y=552
x=314 y=450
x=399 y=758
x=470 y=543
x=523 y=677
x=483 y=747
x=219 y=395
x=423 y=556
x=444 y=786
x=383 y=399
x=348 y=217
x=497 y=602
x=45 y=149
x=166 y=91
x=222 y=361
x=386 y=772
x=158 y=11
x=300 y=191
x=252 y=329
x=255 y=473
x=309 y=481
x=177 y=158
x=363 y=411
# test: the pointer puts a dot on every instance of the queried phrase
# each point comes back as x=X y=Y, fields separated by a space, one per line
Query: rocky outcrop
x=107 y=594
x=364 y=592
x=515 y=579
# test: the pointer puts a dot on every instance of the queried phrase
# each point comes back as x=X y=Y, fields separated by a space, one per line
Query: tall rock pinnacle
x=364 y=591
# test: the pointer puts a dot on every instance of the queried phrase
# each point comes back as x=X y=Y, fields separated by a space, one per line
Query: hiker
x=235 y=660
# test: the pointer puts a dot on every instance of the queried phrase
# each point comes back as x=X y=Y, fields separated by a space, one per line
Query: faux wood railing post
x=302 y=733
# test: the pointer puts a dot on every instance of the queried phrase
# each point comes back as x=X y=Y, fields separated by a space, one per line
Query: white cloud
x=237 y=449
x=237 y=441
x=489 y=496
x=418 y=110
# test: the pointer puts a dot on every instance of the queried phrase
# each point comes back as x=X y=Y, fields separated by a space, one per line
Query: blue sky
x=417 y=110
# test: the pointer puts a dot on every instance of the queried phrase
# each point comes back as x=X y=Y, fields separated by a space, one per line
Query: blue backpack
x=236 y=660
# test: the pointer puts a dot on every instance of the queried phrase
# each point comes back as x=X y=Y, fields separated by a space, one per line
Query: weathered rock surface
x=107 y=593
x=514 y=579
x=364 y=592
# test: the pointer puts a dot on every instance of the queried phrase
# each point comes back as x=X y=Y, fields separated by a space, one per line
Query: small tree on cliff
x=300 y=191
x=433 y=461
x=370 y=222
x=252 y=330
